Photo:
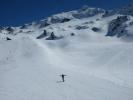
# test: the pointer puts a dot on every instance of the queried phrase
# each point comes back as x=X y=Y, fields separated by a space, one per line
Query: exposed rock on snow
x=96 y=29
x=117 y=27
x=108 y=13
x=87 y=12
x=8 y=38
x=43 y=24
x=81 y=27
x=53 y=37
x=10 y=30
x=44 y=34
x=72 y=34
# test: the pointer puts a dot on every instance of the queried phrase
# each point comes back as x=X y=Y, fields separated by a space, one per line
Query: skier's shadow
x=59 y=82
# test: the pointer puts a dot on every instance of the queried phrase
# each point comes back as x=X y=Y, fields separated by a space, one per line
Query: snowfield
x=97 y=67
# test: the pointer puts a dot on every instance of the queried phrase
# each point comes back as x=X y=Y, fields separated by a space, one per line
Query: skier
x=63 y=77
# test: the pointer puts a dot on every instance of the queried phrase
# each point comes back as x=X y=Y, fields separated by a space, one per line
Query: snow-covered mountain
x=86 y=18
x=92 y=46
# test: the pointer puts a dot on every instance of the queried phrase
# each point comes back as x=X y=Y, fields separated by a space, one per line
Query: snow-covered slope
x=98 y=66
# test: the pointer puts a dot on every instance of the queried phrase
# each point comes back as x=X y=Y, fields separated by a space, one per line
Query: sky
x=19 y=12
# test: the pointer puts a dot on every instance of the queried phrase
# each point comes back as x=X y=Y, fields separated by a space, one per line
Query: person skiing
x=63 y=77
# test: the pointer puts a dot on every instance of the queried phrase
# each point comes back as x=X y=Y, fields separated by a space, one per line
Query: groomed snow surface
x=97 y=67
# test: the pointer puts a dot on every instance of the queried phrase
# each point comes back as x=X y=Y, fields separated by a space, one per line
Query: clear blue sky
x=19 y=12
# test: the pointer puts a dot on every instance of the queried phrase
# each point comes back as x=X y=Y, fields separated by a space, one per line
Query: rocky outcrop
x=72 y=34
x=81 y=27
x=44 y=34
x=10 y=30
x=43 y=24
x=53 y=37
x=108 y=13
x=8 y=39
x=117 y=27
x=96 y=29
x=86 y=11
